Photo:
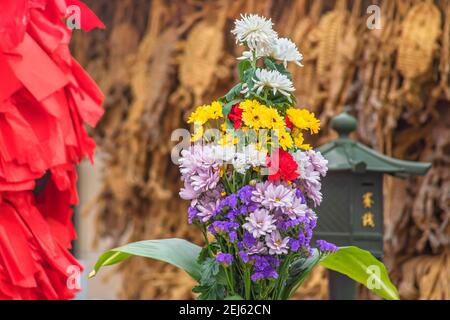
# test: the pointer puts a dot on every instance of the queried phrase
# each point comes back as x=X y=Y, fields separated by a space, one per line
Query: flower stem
x=247 y=283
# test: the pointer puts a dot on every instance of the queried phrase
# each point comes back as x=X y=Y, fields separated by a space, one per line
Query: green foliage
x=356 y=263
x=211 y=286
x=351 y=261
x=243 y=67
x=178 y=252
x=298 y=271
x=227 y=107
x=233 y=93
x=361 y=266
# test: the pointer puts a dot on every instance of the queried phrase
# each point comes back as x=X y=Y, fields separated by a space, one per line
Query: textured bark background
x=159 y=59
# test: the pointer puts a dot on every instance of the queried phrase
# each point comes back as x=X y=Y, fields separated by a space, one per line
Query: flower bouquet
x=253 y=184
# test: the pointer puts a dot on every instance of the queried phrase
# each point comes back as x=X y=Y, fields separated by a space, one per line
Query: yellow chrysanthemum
x=252 y=116
x=249 y=104
x=262 y=146
x=198 y=133
x=215 y=110
x=271 y=119
x=223 y=127
x=284 y=139
x=206 y=112
x=257 y=116
x=227 y=139
x=304 y=120
x=299 y=140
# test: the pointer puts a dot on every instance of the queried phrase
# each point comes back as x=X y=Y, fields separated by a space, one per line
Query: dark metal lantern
x=351 y=212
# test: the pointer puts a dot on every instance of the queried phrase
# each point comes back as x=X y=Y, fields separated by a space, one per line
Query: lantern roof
x=347 y=154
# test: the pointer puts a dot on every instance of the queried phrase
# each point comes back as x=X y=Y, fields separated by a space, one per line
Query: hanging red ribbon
x=45 y=100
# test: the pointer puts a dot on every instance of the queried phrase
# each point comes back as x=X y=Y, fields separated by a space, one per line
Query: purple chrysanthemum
x=260 y=223
x=296 y=209
x=277 y=244
x=199 y=171
x=259 y=190
x=318 y=162
x=207 y=209
x=277 y=196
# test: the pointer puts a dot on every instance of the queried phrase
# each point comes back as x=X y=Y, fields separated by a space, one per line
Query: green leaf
x=242 y=67
x=178 y=252
x=227 y=107
x=209 y=269
x=235 y=91
x=298 y=271
x=270 y=64
x=214 y=291
x=211 y=286
x=361 y=266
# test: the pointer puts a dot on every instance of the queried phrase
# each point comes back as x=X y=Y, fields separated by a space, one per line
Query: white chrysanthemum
x=248 y=55
x=256 y=32
x=274 y=80
x=285 y=50
x=254 y=156
x=224 y=153
x=240 y=163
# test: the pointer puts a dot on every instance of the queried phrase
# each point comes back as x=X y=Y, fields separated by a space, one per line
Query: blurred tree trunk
x=159 y=59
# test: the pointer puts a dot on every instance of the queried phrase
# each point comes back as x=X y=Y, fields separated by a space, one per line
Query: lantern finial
x=344 y=124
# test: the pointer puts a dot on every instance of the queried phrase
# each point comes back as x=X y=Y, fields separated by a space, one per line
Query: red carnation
x=288 y=123
x=282 y=166
x=235 y=116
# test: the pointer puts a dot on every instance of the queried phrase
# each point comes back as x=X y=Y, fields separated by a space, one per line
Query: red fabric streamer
x=45 y=99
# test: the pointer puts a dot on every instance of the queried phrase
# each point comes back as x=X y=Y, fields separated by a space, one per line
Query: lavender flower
x=233 y=213
x=224 y=258
x=222 y=226
x=295 y=245
x=192 y=214
x=244 y=256
x=299 y=194
x=248 y=241
x=264 y=268
x=230 y=201
x=260 y=223
x=326 y=246
x=245 y=194
x=276 y=244
x=285 y=225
